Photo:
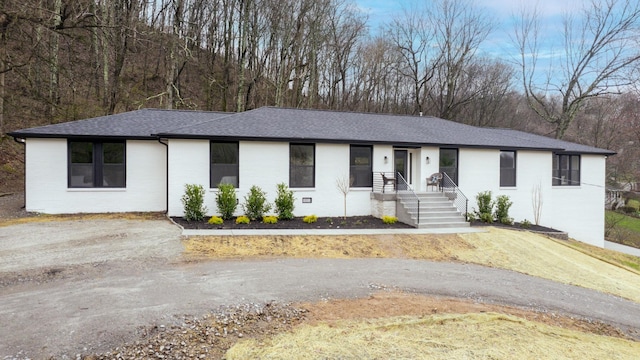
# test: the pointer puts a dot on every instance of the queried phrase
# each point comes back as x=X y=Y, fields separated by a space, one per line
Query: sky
x=499 y=44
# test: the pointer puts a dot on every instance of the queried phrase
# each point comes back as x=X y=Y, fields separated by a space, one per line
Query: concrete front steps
x=436 y=211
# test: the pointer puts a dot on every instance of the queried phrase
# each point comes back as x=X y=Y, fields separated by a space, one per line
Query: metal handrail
x=452 y=191
x=406 y=188
x=383 y=182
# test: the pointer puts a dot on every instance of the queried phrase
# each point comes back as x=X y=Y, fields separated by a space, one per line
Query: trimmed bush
x=255 y=203
x=634 y=204
x=525 y=224
x=226 y=200
x=270 y=219
x=215 y=220
x=193 y=202
x=485 y=207
x=284 y=202
x=242 y=220
x=627 y=209
x=310 y=219
x=389 y=219
x=503 y=203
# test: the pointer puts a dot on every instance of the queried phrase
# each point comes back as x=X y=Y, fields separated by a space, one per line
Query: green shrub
x=309 y=219
x=329 y=221
x=193 y=202
x=284 y=202
x=485 y=207
x=486 y=217
x=503 y=203
x=389 y=219
x=627 y=209
x=255 y=203
x=215 y=220
x=525 y=224
x=226 y=200
x=270 y=219
x=634 y=204
x=242 y=220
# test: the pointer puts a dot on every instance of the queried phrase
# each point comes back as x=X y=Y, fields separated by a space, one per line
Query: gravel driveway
x=78 y=286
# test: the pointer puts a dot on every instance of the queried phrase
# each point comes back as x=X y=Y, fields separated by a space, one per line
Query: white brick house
x=141 y=160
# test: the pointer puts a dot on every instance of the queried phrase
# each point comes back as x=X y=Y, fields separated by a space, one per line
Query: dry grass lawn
x=411 y=327
x=438 y=336
x=87 y=217
x=520 y=251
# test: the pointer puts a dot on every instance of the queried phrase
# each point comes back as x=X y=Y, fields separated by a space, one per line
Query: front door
x=400 y=167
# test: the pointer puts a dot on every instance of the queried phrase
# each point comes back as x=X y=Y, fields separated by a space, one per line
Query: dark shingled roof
x=270 y=123
x=139 y=124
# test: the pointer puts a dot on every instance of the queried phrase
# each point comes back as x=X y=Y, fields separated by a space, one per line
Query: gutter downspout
x=166 y=175
x=23 y=141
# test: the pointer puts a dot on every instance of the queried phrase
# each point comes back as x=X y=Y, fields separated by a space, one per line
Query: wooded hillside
x=63 y=60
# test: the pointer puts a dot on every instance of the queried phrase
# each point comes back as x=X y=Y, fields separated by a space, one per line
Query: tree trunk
x=242 y=56
x=54 y=87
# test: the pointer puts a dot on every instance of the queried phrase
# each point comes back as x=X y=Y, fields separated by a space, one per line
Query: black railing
x=403 y=188
x=451 y=191
x=384 y=182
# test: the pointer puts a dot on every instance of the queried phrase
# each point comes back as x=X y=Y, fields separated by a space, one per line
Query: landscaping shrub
x=193 y=202
x=309 y=219
x=627 y=209
x=255 y=203
x=634 y=204
x=389 y=219
x=525 y=224
x=215 y=220
x=503 y=203
x=242 y=220
x=284 y=202
x=226 y=200
x=485 y=207
x=270 y=219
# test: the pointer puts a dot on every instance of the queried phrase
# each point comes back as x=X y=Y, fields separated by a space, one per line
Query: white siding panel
x=188 y=164
x=46 y=183
x=578 y=210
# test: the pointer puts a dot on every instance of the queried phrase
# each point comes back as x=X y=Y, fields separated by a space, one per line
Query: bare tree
x=460 y=28
x=599 y=46
x=412 y=35
x=537 y=201
x=343 y=184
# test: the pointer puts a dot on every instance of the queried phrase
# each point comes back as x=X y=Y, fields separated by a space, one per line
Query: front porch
x=442 y=205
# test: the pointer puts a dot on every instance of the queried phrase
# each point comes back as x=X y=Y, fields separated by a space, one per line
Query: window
x=360 y=170
x=449 y=163
x=507 y=168
x=302 y=165
x=96 y=164
x=224 y=164
x=566 y=169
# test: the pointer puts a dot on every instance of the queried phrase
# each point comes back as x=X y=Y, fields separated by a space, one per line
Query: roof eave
x=20 y=135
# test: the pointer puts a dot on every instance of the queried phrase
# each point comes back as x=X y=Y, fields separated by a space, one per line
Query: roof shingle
x=283 y=124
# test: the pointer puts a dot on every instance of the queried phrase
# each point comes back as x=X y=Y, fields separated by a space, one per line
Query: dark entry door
x=400 y=166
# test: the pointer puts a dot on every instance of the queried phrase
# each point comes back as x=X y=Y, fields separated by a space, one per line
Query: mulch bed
x=351 y=222
x=516 y=225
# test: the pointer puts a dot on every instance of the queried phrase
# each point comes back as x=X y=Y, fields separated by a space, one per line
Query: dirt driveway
x=74 y=287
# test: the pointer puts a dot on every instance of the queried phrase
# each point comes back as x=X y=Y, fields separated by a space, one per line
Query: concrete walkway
x=621 y=248
x=264 y=232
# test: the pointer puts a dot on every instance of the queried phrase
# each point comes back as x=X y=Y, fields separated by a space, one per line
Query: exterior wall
x=427 y=168
x=46 y=180
x=266 y=164
x=578 y=210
